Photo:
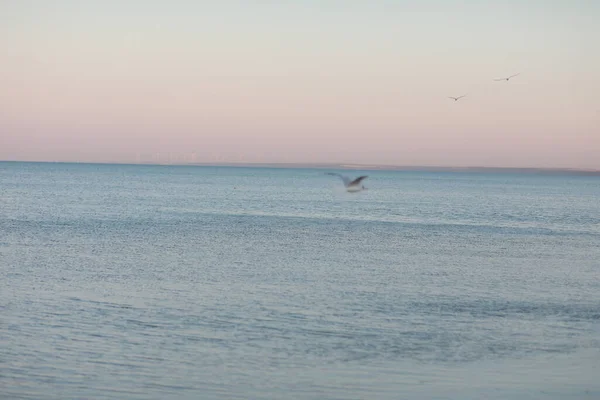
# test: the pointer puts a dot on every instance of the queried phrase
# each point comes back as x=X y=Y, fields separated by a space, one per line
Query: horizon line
x=342 y=165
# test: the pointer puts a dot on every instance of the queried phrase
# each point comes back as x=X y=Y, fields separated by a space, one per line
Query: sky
x=301 y=81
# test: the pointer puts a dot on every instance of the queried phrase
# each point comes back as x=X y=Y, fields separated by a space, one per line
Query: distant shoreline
x=352 y=166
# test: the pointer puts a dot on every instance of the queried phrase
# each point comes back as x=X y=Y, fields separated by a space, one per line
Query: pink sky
x=321 y=81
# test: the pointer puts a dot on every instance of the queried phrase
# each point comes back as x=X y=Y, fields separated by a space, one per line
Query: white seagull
x=456 y=98
x=506 y=79
x=351 y=186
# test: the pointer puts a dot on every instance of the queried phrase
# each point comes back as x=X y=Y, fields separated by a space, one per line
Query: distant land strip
x=367 y=167
x=383 y=167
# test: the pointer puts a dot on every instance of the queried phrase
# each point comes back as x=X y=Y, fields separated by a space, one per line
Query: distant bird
x=506 y=79
x=457 y=98
x=351 y=186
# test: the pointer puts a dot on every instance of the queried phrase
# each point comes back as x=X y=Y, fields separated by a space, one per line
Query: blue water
x=164 y=282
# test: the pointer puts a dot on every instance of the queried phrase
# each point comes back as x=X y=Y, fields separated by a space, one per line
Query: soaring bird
x=351 y=186
x=457 y=98
x=506 y=79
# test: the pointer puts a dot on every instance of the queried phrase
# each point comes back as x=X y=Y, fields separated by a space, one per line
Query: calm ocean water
x=163 y=282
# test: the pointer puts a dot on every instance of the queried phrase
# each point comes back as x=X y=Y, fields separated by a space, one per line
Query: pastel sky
x=302 y=81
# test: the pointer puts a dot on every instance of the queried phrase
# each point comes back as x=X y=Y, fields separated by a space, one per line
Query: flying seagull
x=351 y=186
x=457 y=98
x=506 y=79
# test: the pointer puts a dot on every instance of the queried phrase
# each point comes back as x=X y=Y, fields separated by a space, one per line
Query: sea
x=212 y=282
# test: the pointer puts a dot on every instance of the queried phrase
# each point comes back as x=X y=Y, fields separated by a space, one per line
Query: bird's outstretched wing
x=344 y=178
x=507 y=78
x=357 y=180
